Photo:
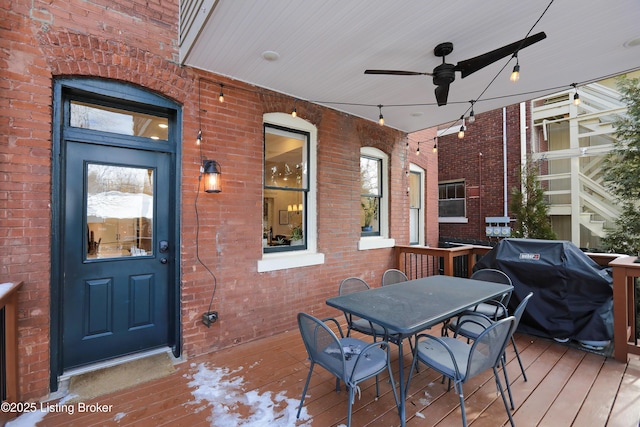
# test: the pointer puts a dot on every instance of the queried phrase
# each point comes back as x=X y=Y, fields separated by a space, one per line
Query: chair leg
x=393 y=383
x=504 y=399
x=524 y=375
x=304 y=391
x=458 y=387
x=377 y=387
x=503 y=361
x=352 y=396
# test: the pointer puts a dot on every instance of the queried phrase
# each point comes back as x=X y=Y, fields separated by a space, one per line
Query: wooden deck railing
x=419 y=261
x=9 y=304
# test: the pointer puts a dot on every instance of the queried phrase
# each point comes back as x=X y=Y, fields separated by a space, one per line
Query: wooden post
x=9 y=301
x=625 y=270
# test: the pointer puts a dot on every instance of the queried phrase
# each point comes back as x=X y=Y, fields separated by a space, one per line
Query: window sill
x=367 y=243
x=453 y=220
x=285 y=260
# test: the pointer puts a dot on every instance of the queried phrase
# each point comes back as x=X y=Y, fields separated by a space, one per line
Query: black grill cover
x=572 y=294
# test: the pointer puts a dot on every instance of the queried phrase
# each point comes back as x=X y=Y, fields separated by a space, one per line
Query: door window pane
x=106 y=119
x=119 y=214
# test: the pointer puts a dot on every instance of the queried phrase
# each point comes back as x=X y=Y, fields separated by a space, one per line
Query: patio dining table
x=413 y=306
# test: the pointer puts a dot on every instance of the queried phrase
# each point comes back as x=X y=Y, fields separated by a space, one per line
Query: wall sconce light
x=212 y=172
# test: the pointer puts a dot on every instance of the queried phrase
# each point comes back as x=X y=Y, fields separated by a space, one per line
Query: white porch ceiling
x=324 y=46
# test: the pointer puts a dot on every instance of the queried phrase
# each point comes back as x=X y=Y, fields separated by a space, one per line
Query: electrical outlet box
x=209 y=318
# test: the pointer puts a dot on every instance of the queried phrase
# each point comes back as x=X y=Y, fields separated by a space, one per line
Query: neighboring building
x=104 y=214
x=569 y=142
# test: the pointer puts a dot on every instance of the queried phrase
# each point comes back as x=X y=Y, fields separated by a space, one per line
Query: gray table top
x=416 y=305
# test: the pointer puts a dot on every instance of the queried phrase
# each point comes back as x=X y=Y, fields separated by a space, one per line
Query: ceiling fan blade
x=397 y=72
x=474 y=64
x=442 y=92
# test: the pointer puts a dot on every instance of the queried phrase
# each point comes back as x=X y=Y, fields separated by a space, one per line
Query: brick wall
x=478 y=160
x=135 y=42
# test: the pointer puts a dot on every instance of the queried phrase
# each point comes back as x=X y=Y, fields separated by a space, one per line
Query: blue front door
x=118 y=256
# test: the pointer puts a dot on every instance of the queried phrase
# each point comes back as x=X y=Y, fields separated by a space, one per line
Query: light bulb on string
x=462 y=129
x=515 y=75
x=221 y=96
x=199 y=138
x=381 y=117
x=435 y=148
x=576 y=96
x=472 y=114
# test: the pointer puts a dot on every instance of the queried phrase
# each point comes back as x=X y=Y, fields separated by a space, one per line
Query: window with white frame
x=370 y=195
x=289 y=235
x=416 y=206
x=286 y=185
x=451 y=200
x=374 y=199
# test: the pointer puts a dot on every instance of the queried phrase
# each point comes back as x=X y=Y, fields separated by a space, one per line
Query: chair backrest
x=517 y=313
x=322 y=344
x=492 y=275
x=392 y=276
x=489 y=346
x=351 y=285
x=496 y=276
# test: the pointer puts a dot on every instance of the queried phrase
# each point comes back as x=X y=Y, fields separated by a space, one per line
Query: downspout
x=523 y=137
x=480 y=186
x=504 y=160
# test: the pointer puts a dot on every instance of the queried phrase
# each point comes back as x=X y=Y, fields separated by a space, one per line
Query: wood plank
x=565 y=407
x=597 y=405
x=626 y=409
x=565 y=387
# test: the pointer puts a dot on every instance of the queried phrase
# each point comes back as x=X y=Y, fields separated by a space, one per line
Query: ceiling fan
x=444 y=74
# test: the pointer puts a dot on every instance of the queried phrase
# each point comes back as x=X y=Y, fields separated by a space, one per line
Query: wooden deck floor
x=259 y=384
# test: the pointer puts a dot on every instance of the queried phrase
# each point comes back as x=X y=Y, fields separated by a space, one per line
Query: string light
x=576 y=96
x=472 y=115
x=435 y=148
x=461 y=131
x=199 y=138
x=515 y=75
x=418 y=150
x=380 y=118
x=221 y=96
x=294 y=113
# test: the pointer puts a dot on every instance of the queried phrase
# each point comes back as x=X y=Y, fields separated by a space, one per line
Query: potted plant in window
x=296 y=235
x=370 y=209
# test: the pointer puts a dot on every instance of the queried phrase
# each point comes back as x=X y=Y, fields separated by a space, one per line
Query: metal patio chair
x=472 y=324
x=348 y=359
x=460 y=361
x=489 y=308
x=351 y=285
x=392 y=276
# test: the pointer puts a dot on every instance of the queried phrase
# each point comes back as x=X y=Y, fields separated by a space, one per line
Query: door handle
x=163 y=260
